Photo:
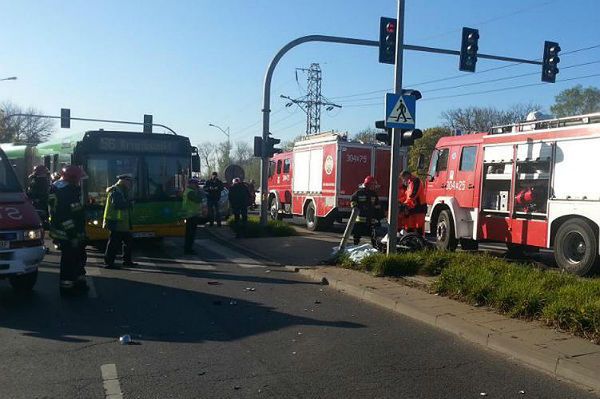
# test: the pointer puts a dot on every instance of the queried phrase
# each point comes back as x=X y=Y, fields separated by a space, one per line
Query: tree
x=23 y=129
x=482 y=119
x=425 y=146
x=223 y=156
x=289 y=144
x=576 y=101
x=366 y=136
x=206 y=150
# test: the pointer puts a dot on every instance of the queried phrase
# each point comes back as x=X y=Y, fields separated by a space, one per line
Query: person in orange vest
x=414 y=204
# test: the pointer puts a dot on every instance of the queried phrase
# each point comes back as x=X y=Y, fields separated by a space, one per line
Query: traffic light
x=147 y=123
x=65 y=118
x=383 y=137
x=409 y=136
x=550 y=62
x=270 y=147
x=258 y=146
x=387 y=40
x=468 y=49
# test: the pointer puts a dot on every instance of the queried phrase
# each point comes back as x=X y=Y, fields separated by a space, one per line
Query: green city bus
x=161 y=165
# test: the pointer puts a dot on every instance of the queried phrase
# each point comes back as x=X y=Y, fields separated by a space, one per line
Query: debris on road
x=483 y=394
x=237 y=387
x=318 y=302
x=521 y=392
x=125 y=339
x=324 y=282
x=214 y=283
x=202 y=373
x=233 y=302
x=250 y=289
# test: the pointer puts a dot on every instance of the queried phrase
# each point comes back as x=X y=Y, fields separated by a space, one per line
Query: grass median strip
x=516 y=289
x=253 y=228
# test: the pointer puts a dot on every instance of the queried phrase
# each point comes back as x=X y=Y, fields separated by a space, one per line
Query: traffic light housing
x=270 y=147
x=383 y=137
x=468 y=49
x=65 y=118
x=409 y=136
x=387 y=40
x=147 y=123
x=258 y=146
x=550 y=62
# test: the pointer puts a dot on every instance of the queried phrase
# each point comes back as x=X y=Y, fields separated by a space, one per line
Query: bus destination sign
x=128 y=144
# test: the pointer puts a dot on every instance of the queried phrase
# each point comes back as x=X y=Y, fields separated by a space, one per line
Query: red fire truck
x=530 y=185
x=318 y=177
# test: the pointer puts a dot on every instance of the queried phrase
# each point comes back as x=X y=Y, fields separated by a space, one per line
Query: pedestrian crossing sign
x=400 y=111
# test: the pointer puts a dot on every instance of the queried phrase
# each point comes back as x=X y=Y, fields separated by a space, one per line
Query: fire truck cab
x=21 y=234
x=529 y=185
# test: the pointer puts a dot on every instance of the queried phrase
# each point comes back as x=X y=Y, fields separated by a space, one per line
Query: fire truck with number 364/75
x=530 y=185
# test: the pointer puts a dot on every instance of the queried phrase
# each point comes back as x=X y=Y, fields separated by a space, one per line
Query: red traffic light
x=390 y=27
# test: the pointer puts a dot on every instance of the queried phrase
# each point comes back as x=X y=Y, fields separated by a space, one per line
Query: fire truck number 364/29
x=460 y=185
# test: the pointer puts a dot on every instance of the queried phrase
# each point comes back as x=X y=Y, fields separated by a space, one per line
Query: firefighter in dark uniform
x=367 y=202
x=38 y=190
x=214 y=188
x=67 y=227
x=192 y=199
x=117 y=219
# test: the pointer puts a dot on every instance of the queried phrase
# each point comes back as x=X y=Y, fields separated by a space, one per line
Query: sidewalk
x=558 y=354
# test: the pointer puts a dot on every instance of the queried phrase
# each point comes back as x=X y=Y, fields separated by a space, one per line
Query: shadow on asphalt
x=149 y=312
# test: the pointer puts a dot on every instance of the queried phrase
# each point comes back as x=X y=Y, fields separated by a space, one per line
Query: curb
x=553 y=363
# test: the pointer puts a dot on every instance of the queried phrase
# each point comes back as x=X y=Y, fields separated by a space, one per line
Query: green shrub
x=253 y=228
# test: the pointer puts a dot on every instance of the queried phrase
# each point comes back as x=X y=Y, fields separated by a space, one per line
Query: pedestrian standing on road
x=38 y=189
x=117 y=219
x=252 y=189
x=192 y=199
x=365 y=199
x=239 y=199
x=67 y=227
x=214 y=188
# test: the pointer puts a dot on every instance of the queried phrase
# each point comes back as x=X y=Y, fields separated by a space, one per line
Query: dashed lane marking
x=110 y=380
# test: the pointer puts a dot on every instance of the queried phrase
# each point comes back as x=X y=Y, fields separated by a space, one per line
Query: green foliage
x=366 y=135
x=425 y=145
x=253 y=228
x=481 y=119
x=576 y=101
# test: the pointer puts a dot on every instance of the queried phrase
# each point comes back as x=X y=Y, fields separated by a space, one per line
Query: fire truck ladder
x=547 y=124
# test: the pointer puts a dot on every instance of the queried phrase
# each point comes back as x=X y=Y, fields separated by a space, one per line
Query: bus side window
x=286 y=166
x=279 y=167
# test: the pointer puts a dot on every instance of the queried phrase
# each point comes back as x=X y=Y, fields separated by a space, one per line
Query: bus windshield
x=103 y=171
x=165 y=174
x=8 y=180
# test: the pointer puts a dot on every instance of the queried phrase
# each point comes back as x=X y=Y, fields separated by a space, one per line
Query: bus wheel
x=444 y=232
x=23 y=282
x=312 y=221
x=576 y=247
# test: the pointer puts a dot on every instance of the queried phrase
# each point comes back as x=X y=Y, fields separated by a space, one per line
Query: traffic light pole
x=264 y=170
x=395 y=164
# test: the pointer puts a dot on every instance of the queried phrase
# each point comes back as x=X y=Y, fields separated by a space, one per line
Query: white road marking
x=92 y=291
x=110 y=380
x=230 y=255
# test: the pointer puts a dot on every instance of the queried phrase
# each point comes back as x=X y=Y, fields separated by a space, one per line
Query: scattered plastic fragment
x=250 y=289
x=233 y=302
x=483 y=394
x=293 y=353
x=214 y=283
x=299 y=333
x=317 y=302
x=521 y=392
x=237 y=387
x=267 y=271
x=324 y=281
x=125 y=339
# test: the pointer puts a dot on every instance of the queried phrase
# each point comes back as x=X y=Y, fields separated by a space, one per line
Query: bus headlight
x=33 y=234
x=95 y=223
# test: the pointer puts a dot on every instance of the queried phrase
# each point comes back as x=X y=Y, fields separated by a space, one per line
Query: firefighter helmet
x=369 y=181
x=73 y=173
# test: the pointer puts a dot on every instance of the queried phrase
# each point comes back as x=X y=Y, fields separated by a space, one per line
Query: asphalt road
x=221 y=325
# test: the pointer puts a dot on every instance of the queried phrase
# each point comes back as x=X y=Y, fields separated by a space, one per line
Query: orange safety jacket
x=415 y=195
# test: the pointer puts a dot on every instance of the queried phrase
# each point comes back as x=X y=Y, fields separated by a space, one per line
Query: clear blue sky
x=190 y=63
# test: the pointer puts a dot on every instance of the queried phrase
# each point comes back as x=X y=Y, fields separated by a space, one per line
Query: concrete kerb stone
x=581 y=370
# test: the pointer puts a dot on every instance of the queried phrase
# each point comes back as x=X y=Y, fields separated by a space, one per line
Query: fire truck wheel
x=444 y=231
x=274 y=210
x=312 y=221
x=576 y=247
x=24 y=282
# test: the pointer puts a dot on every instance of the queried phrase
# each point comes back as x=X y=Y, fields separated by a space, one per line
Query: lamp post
x=224 y=131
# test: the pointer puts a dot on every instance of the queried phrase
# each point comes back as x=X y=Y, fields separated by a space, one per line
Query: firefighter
x=67 y=227
x=414 y=205
x=367 y=202
x=192 y=199
x=117 y=219
x=214 y=188
x=38 y=189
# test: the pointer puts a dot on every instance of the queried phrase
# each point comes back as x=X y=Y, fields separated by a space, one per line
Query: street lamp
x=224 y=131
x=11 y=78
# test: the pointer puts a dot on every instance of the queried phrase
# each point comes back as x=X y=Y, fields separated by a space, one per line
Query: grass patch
x=253 y=228
x=518 y=290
